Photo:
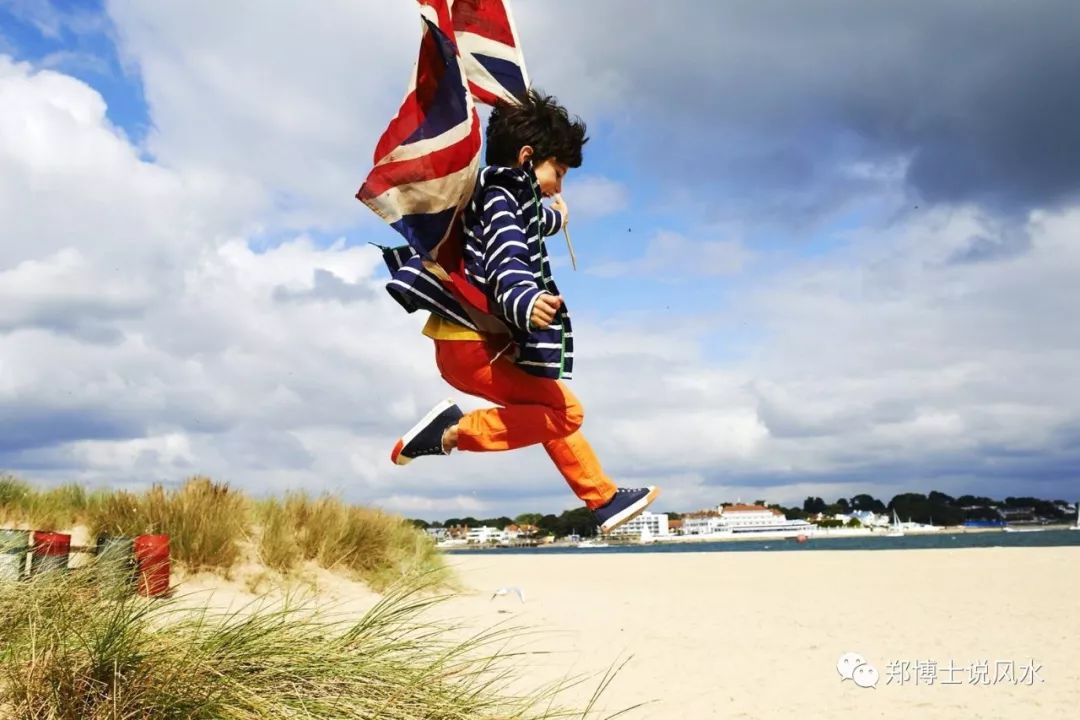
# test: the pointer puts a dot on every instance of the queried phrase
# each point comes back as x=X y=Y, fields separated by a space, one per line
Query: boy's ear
x=524 y=154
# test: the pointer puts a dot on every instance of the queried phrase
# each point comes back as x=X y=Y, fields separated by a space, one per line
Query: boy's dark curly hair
x=538 y=121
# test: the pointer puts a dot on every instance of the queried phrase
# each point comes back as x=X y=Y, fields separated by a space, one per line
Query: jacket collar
x=520 y=181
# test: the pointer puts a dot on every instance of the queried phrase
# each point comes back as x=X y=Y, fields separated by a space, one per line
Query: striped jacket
x=505 y=258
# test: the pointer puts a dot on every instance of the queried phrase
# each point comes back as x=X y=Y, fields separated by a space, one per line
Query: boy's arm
x=506 y=260
x=550 y=221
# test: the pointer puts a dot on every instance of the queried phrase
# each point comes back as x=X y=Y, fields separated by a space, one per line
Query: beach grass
x=206 y=521
x=213 y=527
x=71 y=653
x=53 y=508
x=372 y=545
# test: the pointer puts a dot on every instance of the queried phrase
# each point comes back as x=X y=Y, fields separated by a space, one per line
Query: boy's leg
x=535 y=410
x=577 y=462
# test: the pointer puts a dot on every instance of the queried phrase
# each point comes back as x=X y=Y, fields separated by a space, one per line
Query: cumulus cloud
x=288 y=99
x=670 y=254
x=61 y=294
x=594 y=196
x=69 y=179
x=889 y=365
x=134 y=321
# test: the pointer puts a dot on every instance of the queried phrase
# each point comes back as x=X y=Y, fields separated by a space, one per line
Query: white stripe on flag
x=425 y=147
x=479 y=75
x=426 y=196
x=473 y=43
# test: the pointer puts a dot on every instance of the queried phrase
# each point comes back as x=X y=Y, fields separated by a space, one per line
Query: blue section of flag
x=425 y=229
x=448 y=106
x=507 y=73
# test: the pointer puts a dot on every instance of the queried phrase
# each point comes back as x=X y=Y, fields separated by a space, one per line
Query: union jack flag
x=427 y=160
x=490 y=50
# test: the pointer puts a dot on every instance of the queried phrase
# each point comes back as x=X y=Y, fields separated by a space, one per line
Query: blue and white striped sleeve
x=506 y=260
x=552 y=221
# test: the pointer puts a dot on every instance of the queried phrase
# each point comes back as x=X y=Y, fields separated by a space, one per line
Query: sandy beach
x=758 y=635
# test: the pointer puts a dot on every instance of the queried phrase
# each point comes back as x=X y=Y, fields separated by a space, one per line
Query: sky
x=823 y=249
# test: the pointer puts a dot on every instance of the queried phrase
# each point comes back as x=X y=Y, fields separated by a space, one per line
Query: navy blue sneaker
x=624 y=506
x=425 y=437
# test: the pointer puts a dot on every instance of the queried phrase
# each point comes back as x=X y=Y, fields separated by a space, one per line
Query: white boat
x=646 y=536
x=592 y=543
x=1010 y=529
x=897 y=529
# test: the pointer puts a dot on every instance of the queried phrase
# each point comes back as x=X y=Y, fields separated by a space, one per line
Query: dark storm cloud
x=981 y=248
x=27 y=427
x=773 y=96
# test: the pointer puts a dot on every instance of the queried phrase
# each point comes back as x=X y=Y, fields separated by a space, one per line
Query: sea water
x=935 y=541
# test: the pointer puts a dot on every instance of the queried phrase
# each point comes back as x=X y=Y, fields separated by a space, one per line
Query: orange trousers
x=533 y=410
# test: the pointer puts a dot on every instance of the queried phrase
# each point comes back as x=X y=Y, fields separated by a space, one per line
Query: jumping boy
x=516 y=354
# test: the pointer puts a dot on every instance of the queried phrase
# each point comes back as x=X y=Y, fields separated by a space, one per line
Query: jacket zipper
x=543 y=278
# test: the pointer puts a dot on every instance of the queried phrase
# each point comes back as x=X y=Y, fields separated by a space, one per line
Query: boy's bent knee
x=574 y=416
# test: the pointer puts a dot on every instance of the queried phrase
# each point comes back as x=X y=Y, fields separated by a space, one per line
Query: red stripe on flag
x=484 y=17
x=432 y=166
x=483 y=95
x=442 y=11
x=430 y=70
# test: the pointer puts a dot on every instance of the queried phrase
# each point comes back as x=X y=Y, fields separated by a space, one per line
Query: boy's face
x=549 y=171
x=549 y=175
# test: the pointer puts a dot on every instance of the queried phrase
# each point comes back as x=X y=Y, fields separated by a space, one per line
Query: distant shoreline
x=820 y=535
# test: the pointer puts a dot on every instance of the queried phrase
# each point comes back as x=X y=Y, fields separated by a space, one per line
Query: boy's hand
x=560 y=206
x=544 y=310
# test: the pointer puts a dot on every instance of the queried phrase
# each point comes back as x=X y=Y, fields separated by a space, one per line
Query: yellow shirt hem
x=438 y=328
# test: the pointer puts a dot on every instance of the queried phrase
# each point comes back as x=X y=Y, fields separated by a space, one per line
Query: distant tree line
x=937 y=507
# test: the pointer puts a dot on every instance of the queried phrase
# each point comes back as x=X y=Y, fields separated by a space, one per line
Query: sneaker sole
x=631 y=512
x=395 y=455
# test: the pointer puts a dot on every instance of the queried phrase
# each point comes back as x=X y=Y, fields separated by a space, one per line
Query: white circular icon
x=865 y=676
x=847 y=663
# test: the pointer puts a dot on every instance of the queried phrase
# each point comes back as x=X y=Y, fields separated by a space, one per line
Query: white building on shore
x=438 y=534
x=647 y=524
x=706 y=522
x=757 y=519
x=485 y=535
x=744 y=520
x=867 y=518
